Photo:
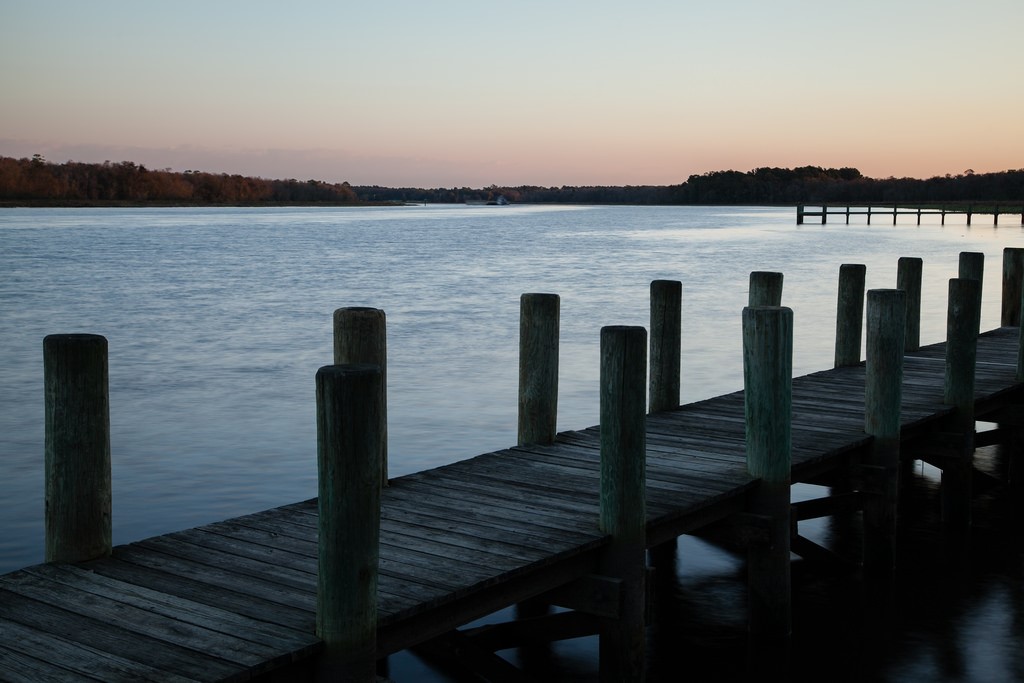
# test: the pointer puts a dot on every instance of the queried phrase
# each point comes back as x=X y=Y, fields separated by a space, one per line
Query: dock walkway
x=236 y=599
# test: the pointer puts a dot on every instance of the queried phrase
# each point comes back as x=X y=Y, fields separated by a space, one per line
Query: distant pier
x=823 y=211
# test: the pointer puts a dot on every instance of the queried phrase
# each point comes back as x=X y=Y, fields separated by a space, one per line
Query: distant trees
x=36 y=180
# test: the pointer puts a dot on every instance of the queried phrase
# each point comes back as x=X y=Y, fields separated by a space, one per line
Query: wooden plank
x=20 y=645
x=106 y=635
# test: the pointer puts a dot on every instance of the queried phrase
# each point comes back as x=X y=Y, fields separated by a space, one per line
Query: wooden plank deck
x=236 y=599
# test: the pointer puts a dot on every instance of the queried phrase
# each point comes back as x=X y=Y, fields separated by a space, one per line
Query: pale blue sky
x=460 y=93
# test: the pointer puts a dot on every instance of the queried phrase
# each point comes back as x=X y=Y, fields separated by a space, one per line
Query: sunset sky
x=561 y=92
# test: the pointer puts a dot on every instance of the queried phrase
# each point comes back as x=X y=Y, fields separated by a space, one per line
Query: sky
x=447 y=93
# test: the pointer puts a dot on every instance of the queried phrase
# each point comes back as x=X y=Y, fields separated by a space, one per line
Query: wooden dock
x=237 y=600
x=869 y=211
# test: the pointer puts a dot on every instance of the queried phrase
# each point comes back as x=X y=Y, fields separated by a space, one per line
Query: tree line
x=37 y=181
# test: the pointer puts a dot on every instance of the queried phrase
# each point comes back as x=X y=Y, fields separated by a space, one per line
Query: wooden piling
x=767 y=381
x=886 y=325
x=765 y=289
x=623 y=512
x=1013 y=275
x=538 y=367
x=349 y=401
x=908 y=278
x=962 y=327
x=666 y=344
x=972 y=267
x=77 y=447
x=850 y=314
x=360 y=336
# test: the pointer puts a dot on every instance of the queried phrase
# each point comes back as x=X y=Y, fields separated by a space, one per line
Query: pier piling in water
x=360 y=336
x=349 y=400
x=962 y=328
x=538 y=367
x=850 y=314
x=623 y=499
x=909 y=271
x=666 y=344
x=767 y=383
x=77 y=447
x=886 y=324
x=765 y=289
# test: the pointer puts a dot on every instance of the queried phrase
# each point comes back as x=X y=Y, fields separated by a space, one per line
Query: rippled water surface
x=217 y=320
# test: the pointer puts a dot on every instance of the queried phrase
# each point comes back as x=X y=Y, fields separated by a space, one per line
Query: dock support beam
x=962 y=327
x=349 y=401
x=360 y=336
x=77 y=447
x=538 y=367
x=850 y=314
x=623 y=508
x=908 y=278
x=666 y=344
x=882 y=398
x=767 y=381
x=765 y=289
x=1013 y=275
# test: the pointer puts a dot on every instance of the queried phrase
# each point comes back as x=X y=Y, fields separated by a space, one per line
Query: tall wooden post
x=767 y=382
x=963 y=323
x=349 y=401
x=850 y=314
x=1013 y=274
x=765 y=289
x=666 y=344
x=883 y=394
x=360 y=336
x=972 y=267
x=623 y=509
x=908 y=278
x=77 y=447
x=799 y=214
x=538 y=367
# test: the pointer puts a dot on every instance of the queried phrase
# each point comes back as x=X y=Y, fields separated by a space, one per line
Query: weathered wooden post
x=538 y=367
x=1013 y=274
x=972 y=267
x=623 y=509
x=666 y=344
x=963 y=323
x=850 y=314
x=77 y=447
x=799 y=214
x=908 y=278
x=349 y=401
x=360 y=336
x=765 y=289
x=767 y=382
x=882 y=398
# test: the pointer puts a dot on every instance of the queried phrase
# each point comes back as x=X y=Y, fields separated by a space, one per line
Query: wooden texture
x=348 y=399
x=886 y=326
x=909 y=271
x=850 y=313
x=768 y=401
x=538 y=367
x=666 y=344
x=237 y=598
x=1013 y=276
x=765 y=289
x=623 y=513
x=77 y=447
x=360 y=336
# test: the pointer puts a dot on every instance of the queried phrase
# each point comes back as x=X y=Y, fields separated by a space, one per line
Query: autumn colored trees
x=37 y=181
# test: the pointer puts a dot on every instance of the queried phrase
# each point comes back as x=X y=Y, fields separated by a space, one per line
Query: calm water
x=217 y=320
